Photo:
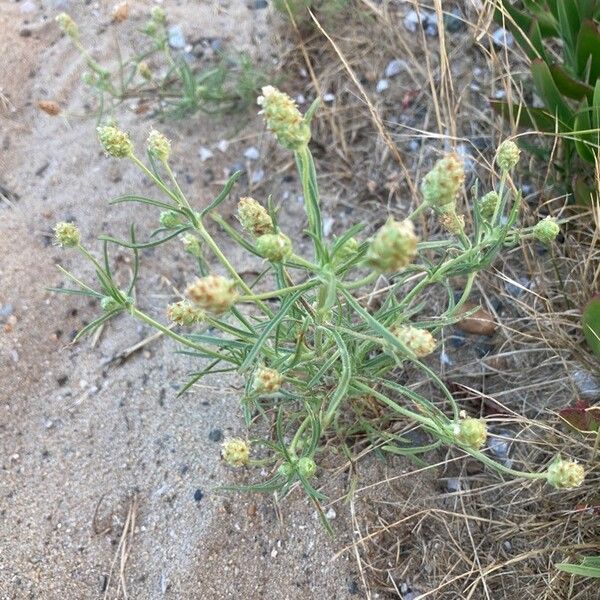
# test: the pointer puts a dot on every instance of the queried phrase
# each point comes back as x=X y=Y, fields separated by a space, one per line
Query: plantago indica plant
x=310 y=347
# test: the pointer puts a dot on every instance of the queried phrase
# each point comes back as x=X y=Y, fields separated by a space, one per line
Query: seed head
x=266 y=381
x=471 y=432
x=348 y=250
x=307 y=467
x=254 y=217
x=67 y=235
x=487 y=204
x=50 y=107
x=286 y=469
x=236 y=452
x=169 y=219
x=565 y=473
x=185 y=313
x=68 y=26
x=115 y=142
x=284 y=119
x=394 y=246
x=507 y=156
x=546 y=230
x=442 y=184
x=420 y=341
x=192 y=245
x=274 y=246
x=213 y=293
x=158 y=146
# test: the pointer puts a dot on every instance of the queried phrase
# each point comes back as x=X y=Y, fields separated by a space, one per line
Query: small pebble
x=222 y=146
x=330 y=514
x=382 y=85
x=257 y=176
x=481 y=322
x=411 y=20
x=300 y=99
x=5 y=311
x=252 y=153
x=453 y=485
x=329 y=97
x=453 y=21
x=500 y=448
x=215 y=435
x=198 y=495
x=176 y=37
x=411 y=596
x=503 y=38
x=586 y=383
x=258 y=4
x=395 y=67
x=205 y=154
x=28 y=7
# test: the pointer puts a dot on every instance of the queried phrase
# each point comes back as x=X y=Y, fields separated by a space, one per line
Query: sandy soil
x=91 y=448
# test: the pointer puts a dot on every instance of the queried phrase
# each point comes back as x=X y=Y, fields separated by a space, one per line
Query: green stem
x=155 y=179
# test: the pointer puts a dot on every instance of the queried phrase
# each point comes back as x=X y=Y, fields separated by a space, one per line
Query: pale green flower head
x=393 y=247
x=169 y=219
x=307 y=467
x=254 y=217
x=565 y=474
x=488 y=203
x=274 y=246
x=284 y=119
x=185 y=313
x=115 y=142
x=108 y=303
x=508 y=156
x=236 y=452
x=158 y=146
x=192 y=245
x=441 y=186
x=267 y=381
x=67 y=235
x=68 y=26
x=471 y=432
x=213 y=293
x=420 y=341
x=546 y=230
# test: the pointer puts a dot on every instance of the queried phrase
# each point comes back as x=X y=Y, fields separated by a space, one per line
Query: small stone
x=502 y=38
x=257 y=4
x=411 y=596
x=453 y=21
x=481 y=322
x=382 y=85
x=257 y=176
x=5 y=311
x=587 y=384
x=300 y=99
x=453 y=485
x=215 y=435
x=205 y=153
x=500 y=447
x=330 y=514
x=353 y=587
x=28 y=7
x=329 y=97
x=198 y=495
x=394 y=67
x=222 y=146
x=176 y=37
x=252 y=153
x=411 y=20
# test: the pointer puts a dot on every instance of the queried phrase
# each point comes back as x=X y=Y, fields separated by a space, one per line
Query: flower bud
x=442 y=184
x=284 y=119
x=471 y=432
x=144 y=70
x=546 y=230
x=394 y=246
x=420 y=341
x=274 y=246
x=254 y=217
x=507 y=156
x=565 y=473
x=347 y=250
x=307 y=467
x=266 y=381
x=192 y=245
x=68 y=26
x=115 y=142
x=108 y=304
x=170 y=219
x=286 y=469
x=158 y=146
x=487 y=204
x=213 y=293
x=185 y=313
x=236 y=452
x=158 y=15
x=67 y=234
x=452 y=222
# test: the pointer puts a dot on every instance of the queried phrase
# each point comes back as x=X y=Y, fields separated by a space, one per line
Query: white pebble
x=205 y=154
x=252 y=153
x=382 y=85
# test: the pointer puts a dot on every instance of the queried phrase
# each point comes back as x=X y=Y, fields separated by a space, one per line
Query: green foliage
x=569 y=87
x=174 y=87
x=315 y=355
x=591 y=325
x=589 y=567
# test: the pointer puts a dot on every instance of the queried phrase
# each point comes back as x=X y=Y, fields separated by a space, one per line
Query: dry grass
x=493 y=538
